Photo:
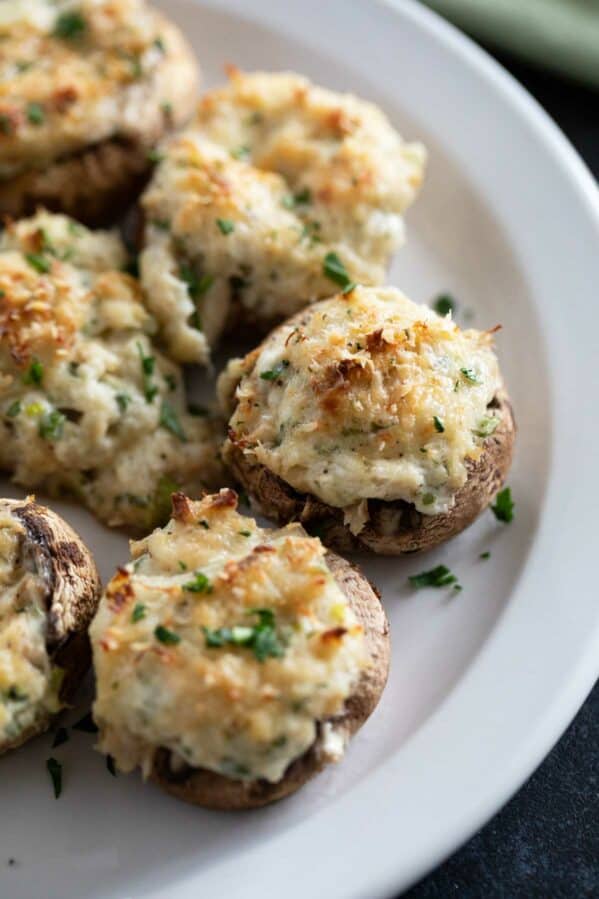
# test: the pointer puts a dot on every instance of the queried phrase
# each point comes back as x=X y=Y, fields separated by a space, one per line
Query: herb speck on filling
x=34 y=374
x=147 y=370
x=200 y=584
x=334 y=269
x=51 y=425
x=170 y=421
x=35 y=113
x=69 y=25
x=241 y=153
x=166 y=636
x=261 y=638
x=439 y=426
x=225 y=226
x=276 y=371
x=470 y=375
x=139 y=612
x=38 y=262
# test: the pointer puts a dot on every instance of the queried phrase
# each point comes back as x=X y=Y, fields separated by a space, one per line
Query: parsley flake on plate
x=440 y=576
x=54 y=769
x=504 y=506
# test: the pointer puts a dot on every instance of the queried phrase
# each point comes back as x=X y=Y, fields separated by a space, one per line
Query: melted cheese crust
x=28 y=687
x=221 y=708
x=274 y=174
x=87 y=404
x=366 y=396
x=73 y=74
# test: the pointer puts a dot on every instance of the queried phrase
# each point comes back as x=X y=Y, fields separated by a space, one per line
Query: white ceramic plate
x=482 y=682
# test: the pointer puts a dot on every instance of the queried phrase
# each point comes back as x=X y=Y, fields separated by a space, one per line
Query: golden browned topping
x=75 y=73
x=87 y=404
x=223 y=642
x=278 y=192
x=365 y=396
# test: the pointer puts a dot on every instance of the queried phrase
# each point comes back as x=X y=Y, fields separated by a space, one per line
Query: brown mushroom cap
x=212 y=790
x=394 y=527
x=72 y=591
x=93 y=186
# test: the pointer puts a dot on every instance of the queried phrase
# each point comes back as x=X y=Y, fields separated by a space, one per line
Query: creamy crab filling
x=227 y=645
x=29 y=685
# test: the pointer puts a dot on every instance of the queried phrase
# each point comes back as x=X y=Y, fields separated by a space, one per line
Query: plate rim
x=371 y=811
x=382 y=874
x=392 y=876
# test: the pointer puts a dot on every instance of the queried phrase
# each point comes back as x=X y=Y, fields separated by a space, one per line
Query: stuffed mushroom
x=372 y=419
x=88 y=87
x=233 y=662
x=278 y=191
x=49 y=590
x=88 y=405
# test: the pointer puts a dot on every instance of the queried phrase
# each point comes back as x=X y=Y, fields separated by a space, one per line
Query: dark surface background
x=545 y=842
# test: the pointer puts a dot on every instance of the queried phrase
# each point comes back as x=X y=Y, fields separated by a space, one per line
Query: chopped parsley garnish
x=136 y=66
x=182 y=565
x=196 y=286
x=486 y=427
x=245 y=533
x=485 y=555
x=242 y=152
x=504 y=506
x=69 y=25
x=51 y=425
x=225 y=226
x=139 y=612
x=38 y=262
x=439 y=426
x=110 y=765
x=161 y=224
x=122 y=400
x=290 y=201
x=35 y=113
x=54 y=769
x=154 y=155
x=61 y=736
x=169 y=638
x=444 y=304
x=440 y=576
x=13 y=410
x=170 y=421
x=204 y=524
x=159 y=44
x=147 y=370
x=161 y=500
x=470 y=375
x=334 y=269
x=200 y=584
x=276 y=371
x=261 y=638
x=74 y=369
x=86 y=724
x=14 y=694
x=428 y=499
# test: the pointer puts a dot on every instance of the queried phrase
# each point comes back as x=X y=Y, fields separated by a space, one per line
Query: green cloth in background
x=562 y=35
